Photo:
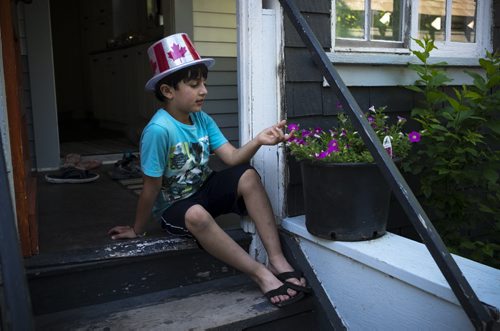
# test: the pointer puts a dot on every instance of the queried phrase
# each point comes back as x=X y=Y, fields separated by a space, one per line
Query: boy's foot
x=287 y=277
x=294 y=278
x=283 y=291
x=275 y=290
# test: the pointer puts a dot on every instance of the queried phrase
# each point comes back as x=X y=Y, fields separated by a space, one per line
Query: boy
x=184 y=193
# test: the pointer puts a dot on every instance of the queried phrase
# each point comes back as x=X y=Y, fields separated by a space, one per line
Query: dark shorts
x=218 y=195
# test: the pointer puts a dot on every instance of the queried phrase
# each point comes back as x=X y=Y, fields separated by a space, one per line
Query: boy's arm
x=150 y=190
x=270 y=136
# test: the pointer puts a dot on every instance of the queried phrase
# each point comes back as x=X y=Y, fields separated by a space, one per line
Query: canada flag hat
x=171 y=54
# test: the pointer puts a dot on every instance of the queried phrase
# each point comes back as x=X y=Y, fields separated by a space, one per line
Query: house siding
x=214 y=34
x=310 y=104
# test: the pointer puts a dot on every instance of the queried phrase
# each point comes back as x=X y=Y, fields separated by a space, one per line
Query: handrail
x=17 y=310
x=477 y=313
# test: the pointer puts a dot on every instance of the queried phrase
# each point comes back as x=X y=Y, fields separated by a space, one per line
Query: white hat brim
x=151 y=84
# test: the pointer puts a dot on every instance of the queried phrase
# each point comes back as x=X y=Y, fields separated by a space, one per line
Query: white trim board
x=375 y=74
x=259 y=90
x=408 y=261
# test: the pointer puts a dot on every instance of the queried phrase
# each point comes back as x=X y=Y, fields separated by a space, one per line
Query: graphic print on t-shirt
x=187 y=168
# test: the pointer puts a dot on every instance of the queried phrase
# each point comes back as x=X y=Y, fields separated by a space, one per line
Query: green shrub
x=457 y=161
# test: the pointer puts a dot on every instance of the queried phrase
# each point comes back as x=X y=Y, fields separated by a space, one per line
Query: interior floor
x=89 y=137
x=78 y=216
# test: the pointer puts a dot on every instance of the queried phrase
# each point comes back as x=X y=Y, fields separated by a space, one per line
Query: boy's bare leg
x=216 y=242
x=260 y=210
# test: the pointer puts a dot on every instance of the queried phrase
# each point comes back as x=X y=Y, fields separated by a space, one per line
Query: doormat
x=133 y=184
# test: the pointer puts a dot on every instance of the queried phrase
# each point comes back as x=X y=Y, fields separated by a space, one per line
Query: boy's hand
x=273 y=135
x=122 y=232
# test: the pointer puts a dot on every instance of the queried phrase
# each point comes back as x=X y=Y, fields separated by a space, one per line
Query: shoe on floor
x=71 y=175
x=126 y=168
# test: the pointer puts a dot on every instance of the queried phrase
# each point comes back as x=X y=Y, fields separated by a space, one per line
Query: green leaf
x=422 y=56
x=418 y=68
x=472 y=95
x=414 y=88
x=429 y=45
x=440 y=79
x=478 y=80
x=443 y=171
x=454 y=103
x=494 y=126
x=486 y=209
x=491 y=175
x=435 y=96
x=488 y=66
x=438 y=127
x=440 y=64
x=493 y=82
x=419 y=43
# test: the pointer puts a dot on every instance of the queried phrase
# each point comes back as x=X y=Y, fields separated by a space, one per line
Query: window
x=375 y=22
x=460 y=28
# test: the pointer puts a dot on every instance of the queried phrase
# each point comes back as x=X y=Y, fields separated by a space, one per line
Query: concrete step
x=230 y=303
x=120 y=270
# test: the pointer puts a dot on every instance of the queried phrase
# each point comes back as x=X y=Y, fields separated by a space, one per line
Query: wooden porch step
x=231 y=303
x=121 y=270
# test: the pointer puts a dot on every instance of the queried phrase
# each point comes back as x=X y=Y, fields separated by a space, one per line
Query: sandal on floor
x=294 y=274
x=283 y=290
x=71 y=175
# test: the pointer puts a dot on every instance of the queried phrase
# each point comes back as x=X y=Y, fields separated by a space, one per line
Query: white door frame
x=42 y=80
x=260 y=59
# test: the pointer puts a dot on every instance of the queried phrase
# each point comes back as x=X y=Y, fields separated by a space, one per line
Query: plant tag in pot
x=388 y=145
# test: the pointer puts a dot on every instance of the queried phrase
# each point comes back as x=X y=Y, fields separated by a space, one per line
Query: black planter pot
x=345 y=201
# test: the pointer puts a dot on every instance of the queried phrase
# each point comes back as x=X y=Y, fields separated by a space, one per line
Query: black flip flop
x=283 y=290
x=293 y=274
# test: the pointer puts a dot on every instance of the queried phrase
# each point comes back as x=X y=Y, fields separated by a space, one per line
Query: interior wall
x=42 y=84
x=71 y=100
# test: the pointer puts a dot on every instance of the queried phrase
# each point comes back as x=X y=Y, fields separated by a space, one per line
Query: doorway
x=99 y=55
x=100 y=68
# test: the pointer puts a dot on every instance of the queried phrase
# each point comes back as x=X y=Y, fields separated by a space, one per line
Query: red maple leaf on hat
x=177 y=52
x=153 y=65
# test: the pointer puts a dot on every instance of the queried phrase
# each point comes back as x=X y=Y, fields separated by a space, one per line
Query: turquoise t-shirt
x=178 y=152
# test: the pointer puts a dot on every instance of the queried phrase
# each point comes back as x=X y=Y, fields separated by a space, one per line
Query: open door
x=18 y=118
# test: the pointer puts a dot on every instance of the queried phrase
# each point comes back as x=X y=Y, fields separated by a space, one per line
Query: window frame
x=450 y=50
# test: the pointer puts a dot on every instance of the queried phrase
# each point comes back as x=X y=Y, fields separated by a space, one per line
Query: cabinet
x=117 y=80
x=97 y=24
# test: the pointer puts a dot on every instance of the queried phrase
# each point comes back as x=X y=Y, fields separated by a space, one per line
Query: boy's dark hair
x=194 y=72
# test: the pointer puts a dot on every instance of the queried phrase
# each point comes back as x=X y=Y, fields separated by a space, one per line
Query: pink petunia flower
x=293 y=126
x=414 y=136
x=306 y=133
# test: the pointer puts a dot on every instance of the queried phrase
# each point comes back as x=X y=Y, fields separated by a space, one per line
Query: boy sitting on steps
x=184 y=193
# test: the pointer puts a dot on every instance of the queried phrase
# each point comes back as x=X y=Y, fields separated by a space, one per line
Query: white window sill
x=382 y=69
x=400 y=59
x=408 y=261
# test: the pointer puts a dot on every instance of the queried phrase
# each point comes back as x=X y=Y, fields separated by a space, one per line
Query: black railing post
x=17 y=309
x=477 y=313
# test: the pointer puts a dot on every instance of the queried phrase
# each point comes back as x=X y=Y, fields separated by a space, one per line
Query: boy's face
x=188 y=97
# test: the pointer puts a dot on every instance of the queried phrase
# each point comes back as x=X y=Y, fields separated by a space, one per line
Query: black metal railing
x=16 y=305
x=477 y=313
